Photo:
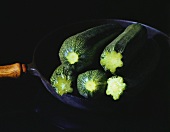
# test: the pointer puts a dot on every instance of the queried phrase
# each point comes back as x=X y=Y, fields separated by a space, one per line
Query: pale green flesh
x=72 y=57
x=115 y=87
x=111 y=61
x=91 y=86
x=62 y=85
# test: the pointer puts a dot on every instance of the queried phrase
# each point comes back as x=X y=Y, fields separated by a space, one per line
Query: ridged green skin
x=88 y=44
x=62 y=79
x=96 y=76
x=128 y=43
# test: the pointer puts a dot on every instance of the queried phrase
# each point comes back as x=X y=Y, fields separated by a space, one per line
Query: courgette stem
x=111 y=61
x=115 y=86
x=90 y=85
x=72 y=57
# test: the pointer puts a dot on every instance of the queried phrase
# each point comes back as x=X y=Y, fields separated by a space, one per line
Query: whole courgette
x=121 y=51
x=62 y=79
x=92 y=83
x=81 y=49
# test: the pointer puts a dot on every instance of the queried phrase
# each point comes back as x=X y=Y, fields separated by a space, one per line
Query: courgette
x=122 y=50
x=62 y=79
x=92 y=83
x=80 y=50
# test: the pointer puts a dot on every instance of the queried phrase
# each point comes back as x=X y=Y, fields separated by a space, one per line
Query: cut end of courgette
x=111 y=60
x=91 y=86
x=72 y=57
x=115 y=87
x=62 y=85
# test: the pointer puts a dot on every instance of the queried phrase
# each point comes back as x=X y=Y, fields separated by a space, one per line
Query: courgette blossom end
x=62 y=85
x=111 y=60
x=72 y=57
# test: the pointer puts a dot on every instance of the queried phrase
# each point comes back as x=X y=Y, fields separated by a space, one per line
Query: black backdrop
x=24 y=23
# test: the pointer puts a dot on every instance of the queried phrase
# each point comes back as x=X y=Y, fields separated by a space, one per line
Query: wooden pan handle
x=12 y=71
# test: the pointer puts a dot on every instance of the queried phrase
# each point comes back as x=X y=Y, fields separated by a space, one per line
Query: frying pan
x=46 y=59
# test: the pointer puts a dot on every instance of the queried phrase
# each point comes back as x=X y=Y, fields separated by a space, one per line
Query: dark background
x=24 y=23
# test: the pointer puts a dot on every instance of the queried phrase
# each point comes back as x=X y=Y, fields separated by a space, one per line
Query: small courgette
x=92 y=83
x=62 y=79
x=123 y=48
